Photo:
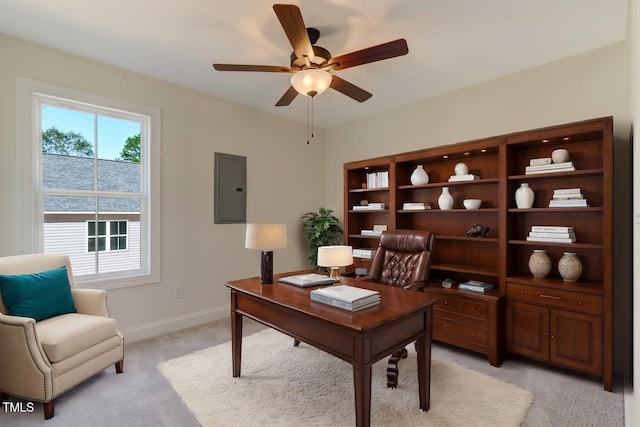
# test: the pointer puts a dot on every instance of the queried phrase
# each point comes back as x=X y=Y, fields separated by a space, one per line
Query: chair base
x=392 y=367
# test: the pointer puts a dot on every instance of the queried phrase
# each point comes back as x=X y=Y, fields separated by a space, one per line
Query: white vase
x=560 y=155
x=445 y=201
x=570 y=267
x=461 y=169
x=524 y=196
x=419 y=176
x=539 y=263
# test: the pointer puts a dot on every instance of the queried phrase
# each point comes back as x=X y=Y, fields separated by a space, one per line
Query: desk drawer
x=475 y=309
x=574 y=301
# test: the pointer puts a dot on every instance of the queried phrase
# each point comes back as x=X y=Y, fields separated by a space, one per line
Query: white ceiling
x=452 y=43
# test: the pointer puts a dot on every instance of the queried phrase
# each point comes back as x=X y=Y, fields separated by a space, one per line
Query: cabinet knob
x=473 y=335
x=579 y=302
x=446 y=326
x=553 y=336
x=473 y=309
x=459 y=305
x=546 y=334
x=521 y=292
x=446 y=303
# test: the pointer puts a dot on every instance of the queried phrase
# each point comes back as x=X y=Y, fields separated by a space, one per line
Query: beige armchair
x=42 y=359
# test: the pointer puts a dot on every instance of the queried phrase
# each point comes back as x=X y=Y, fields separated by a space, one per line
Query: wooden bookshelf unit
x=568 y=324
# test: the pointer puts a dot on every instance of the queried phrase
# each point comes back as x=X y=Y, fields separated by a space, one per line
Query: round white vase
x=524 y=196
x=570 y=267
x=461 y=169
x=445 y=201
x=539 y=263
x=560 y=155
x=419 y=176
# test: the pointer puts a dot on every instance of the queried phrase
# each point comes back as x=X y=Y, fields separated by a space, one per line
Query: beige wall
x=586 y=86
x=195 y=252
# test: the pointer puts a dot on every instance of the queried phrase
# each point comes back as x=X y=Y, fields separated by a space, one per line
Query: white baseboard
x=173 y=324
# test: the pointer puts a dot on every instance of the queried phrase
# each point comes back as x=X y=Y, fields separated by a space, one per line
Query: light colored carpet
x=282 y=385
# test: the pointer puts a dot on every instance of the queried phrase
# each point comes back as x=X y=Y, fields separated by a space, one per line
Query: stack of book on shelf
x=549 y=233
x=377 y=231
x=476 y=286
x=568 y=198
x=346 y=297
x=415 y=206
x=372 y=206
x=378 y=179
x=548 y=168
x=465 y=177
x=363 y=253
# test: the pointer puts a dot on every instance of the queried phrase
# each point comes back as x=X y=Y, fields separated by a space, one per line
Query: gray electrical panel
x=230 y=189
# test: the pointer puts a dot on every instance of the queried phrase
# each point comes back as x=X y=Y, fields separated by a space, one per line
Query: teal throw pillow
x=39 y=296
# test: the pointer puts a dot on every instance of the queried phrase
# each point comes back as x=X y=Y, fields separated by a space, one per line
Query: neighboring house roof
x=76 y=173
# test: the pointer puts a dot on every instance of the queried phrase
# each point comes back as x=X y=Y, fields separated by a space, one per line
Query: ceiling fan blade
x=293 y=26
x=264 y=68
x=288 y=96
x=349 y=89
x=371 y=54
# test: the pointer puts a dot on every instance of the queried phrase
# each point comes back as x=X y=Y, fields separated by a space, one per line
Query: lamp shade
x=266 y=236
x=335 y=256
x=311 y=82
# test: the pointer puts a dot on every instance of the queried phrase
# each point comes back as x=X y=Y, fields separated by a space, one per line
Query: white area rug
x=282 y=385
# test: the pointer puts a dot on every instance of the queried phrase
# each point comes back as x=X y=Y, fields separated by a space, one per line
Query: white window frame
x=30 y=230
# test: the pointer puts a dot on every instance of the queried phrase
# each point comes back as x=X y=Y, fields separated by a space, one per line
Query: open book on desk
x=308 y=280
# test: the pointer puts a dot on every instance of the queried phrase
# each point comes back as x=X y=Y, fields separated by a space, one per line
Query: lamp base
x=335 y=273
x=266 y=267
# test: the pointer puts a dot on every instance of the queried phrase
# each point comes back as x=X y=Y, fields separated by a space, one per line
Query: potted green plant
x=322 y=228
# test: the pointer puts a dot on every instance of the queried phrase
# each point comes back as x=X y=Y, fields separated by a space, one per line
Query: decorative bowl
x=472 y=203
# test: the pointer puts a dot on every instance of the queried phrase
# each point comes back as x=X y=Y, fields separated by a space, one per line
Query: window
x=90 y=183
x=114 y=240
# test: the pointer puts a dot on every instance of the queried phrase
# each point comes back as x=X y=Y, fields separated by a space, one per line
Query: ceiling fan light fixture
x=311 y=82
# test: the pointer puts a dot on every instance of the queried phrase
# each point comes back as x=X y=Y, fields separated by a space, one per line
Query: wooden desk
x=360 y=338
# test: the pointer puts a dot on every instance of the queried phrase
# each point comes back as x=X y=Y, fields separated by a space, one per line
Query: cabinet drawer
x=464 y=307
x=585 y=303
x=459 y=330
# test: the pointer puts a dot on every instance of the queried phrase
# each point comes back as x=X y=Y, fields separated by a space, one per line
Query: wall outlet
x=178 y=291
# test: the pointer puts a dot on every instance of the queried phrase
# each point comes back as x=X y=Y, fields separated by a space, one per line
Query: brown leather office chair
x=403 y=259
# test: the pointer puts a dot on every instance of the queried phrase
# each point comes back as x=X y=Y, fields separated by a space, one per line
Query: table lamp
x=266 y=237
x=335 y=257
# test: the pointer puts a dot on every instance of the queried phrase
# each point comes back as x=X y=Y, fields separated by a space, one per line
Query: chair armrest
x=90 y=301
x=24 y=368
x=415 y=286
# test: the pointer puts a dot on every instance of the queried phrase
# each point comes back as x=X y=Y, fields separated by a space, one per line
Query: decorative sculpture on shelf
x=478 y=230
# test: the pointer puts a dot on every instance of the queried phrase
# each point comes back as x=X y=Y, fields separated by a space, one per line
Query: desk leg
x=236 y=336
x=424 y=364
x=362 y=386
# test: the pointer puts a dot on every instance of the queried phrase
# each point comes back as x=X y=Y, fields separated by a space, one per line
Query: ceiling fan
x=311 y=64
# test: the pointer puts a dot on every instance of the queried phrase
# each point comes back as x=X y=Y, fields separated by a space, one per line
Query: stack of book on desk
x=568 y=198
x=476 y=286
x=550 y=233
x=346 y=297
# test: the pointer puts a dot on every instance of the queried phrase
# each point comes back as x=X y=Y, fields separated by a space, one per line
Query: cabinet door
x=528 y=330
x=576 y=341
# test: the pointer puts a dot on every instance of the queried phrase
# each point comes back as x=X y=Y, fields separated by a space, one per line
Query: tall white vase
x=445 y=201
x=419 y=176
x=524 y=196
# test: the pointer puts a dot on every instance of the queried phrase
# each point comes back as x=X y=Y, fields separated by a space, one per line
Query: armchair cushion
x=38 y=296
x=67 y=335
